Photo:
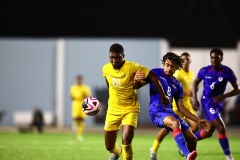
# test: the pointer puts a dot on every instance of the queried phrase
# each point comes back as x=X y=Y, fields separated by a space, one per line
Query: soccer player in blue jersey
x=215 y=78
x=185 y=76
x=163 y=116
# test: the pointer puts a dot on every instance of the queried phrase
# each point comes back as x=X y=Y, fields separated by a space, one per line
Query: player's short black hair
x=185 y=54
x=217 y=50
x=116 y=48
x=173 y=57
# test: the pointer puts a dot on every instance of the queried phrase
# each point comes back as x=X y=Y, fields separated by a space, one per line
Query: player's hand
x=204 y=124
x=195 y=103
x=139 y=75
x=219 y=98
x=166 y=100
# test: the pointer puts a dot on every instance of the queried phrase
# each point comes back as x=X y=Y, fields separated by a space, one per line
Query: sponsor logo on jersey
x=208 y=77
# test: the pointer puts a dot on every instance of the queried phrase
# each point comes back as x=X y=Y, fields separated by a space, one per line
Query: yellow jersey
x=79 y=93
x=122 y=95
x=186 y=79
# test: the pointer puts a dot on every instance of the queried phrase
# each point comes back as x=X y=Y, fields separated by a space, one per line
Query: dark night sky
x=193 y=23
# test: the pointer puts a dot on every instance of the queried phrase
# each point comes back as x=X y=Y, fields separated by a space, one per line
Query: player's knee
x=221 y=129
x=175 y=124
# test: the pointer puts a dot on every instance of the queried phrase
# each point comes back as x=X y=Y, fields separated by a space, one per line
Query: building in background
x=38 y=72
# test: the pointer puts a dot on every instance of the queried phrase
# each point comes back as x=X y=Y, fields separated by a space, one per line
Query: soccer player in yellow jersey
x=79 y=92
x=123 y=104
x=185 y=76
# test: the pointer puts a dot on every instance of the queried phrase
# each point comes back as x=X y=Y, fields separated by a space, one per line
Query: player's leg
x=191 y=140
x=156 y=143
x=202 y=134
x=111 y=145
x=79 y=120
x=111 y=127
x=174 y=124
x=209 y=114
x=40 y=127
x=127 y=137
x=222 y=136
x=80 y=125
x=193 y=126
x=129 y=124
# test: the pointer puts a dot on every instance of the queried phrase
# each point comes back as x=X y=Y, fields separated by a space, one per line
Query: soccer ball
x=91 y=106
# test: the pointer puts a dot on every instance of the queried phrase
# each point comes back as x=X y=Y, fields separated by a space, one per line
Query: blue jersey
x=158 y=111
x=215 y=82
x=172 y=88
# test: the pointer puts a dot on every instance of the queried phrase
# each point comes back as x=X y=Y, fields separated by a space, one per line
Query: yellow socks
x=155 y=146
x=80 y=128
x=127 y=152
x=116 y=150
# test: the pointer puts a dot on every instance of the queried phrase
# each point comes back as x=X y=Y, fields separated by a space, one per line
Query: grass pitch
x=64 y=146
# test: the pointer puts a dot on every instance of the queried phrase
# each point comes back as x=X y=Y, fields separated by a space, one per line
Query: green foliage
x=64 y=146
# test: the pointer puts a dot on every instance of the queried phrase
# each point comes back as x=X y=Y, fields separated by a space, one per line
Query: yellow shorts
x=77 y=111
x=115 y=120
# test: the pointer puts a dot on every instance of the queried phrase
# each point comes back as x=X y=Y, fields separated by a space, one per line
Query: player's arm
x=154 y=79
x=107 y=83
x=71 y=94
x=201 y=122
x=151 y=77
x=234 y=92
x=194 y=99
x=139 y=80
x=187 y=93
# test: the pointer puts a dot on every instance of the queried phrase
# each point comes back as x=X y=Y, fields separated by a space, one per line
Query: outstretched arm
x=202 y=123
x=139 y=80
x=151 y=77
x=154 y=79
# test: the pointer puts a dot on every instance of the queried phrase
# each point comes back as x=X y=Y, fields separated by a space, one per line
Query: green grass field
x=64 y=146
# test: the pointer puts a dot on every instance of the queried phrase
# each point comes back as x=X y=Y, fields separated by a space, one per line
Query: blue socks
x=223 y=140
x=180 y=140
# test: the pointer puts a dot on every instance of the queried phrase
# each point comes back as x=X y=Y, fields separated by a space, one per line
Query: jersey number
x=212 y=111
x=212 y=86
x=169 y=91
x=116 y=82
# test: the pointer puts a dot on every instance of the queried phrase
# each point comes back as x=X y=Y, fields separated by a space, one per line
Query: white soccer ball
x=91 y=106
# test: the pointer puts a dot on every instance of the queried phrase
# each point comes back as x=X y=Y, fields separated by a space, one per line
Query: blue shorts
x=157 y=120
x=211 y=109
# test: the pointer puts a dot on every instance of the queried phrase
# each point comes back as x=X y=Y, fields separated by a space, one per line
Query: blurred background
x=44 y=45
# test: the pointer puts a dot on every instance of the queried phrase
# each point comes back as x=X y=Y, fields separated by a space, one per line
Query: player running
x=123 y=105
x=215 y=78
